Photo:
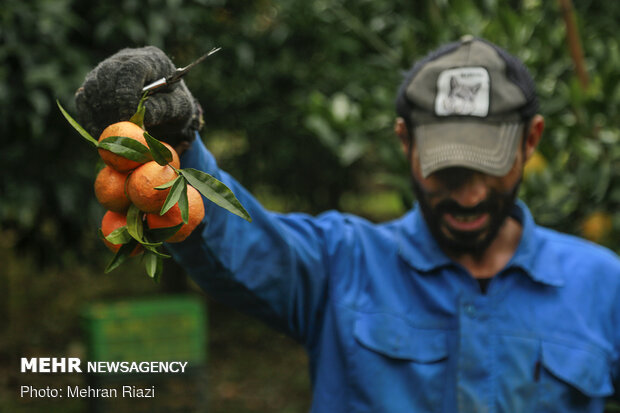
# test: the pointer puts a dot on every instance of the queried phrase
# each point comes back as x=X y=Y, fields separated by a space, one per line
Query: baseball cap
x=467 y=103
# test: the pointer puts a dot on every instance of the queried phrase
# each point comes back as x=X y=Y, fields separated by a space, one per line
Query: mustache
x=492 y=204
x=452 y=207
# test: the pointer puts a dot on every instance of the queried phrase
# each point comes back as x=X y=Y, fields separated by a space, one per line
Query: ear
x=400 y=128
x=536 y=127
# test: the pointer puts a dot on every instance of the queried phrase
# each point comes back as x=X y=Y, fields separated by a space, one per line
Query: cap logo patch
x=463 y=91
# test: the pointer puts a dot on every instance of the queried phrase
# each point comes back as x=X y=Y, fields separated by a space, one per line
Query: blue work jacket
x=391 y=324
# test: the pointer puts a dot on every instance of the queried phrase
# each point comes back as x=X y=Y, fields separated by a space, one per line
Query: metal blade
x=178 y=73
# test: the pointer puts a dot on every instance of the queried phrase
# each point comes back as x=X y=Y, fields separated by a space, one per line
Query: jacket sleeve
x=275 y=267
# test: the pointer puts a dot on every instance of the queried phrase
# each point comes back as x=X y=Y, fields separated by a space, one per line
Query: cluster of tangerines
x=148 y=198
x=124 y=182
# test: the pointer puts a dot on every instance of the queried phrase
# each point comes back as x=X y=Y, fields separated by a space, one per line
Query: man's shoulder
x=573 y=249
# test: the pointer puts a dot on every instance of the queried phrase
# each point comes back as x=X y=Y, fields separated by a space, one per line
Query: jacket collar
x=417 y=246
x=419 y=249
x=543 y=267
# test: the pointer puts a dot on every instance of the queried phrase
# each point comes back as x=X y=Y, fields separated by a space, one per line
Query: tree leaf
x=184 y=205
x=153 y=265
x=155 y=251
x=168 y=184
x=215 y=191
x=138 y=117
x=127 y=148
x=119 y=236
x=162 y=234
x=159 y=152
x=121 y=255
x=153 y=244
x=76 y=125
x=100 y=232
x=178 y=188
x=134 y=223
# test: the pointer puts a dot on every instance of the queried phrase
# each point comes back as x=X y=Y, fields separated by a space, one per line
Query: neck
x=497 y=254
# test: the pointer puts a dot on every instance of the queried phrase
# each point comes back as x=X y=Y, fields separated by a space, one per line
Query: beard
x=456 y=243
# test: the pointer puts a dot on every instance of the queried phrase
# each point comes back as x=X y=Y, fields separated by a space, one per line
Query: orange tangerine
x=110 y=190
x=597 y=226
x=175 y=157
x=142 y=182
x=127 y=129
x=111 y=221
x=171 y=218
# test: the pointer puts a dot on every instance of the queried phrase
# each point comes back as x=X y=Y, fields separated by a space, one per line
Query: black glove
x=112 y=90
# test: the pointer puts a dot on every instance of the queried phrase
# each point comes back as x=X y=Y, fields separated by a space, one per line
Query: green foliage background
x=299 y=104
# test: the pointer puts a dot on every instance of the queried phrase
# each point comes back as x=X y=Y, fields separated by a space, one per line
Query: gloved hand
x=112 y=90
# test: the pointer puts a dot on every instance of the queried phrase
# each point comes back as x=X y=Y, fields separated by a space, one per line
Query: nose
x=466 y=186
x=471 y=192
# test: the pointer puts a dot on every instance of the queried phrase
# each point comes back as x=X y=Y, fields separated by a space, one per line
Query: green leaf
x=184 y=205
x=159 y=152
x=134 y=223
x=121 y=256
x=153 y=265
x=179 y=187
x=168 y=184
x=76 y=125
x=150 y=244
x=118 y=236
x=215 y=191
x=162 y=234
x=138 y=117
x=127 y=148
x=155 y=251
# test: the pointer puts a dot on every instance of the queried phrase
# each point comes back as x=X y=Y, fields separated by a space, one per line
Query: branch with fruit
x=148 y=197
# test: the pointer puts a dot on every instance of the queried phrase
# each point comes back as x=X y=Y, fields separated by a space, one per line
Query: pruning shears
x=177 y=74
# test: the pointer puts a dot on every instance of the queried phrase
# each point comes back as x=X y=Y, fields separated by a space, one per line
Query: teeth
x=466 y=218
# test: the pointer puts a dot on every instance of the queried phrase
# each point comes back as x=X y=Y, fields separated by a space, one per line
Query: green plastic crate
x=166 y=328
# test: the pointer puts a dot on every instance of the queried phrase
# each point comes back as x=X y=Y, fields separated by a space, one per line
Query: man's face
x=465 y=209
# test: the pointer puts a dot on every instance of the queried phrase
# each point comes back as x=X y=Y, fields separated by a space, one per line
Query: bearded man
x=464 y=304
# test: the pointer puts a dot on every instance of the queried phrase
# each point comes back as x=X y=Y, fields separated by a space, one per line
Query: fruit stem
x=138 y=117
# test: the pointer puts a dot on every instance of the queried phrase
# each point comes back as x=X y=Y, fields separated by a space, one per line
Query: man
x=462 y=305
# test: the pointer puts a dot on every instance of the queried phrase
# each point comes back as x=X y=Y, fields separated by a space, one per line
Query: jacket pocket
x=577 y=376
x=394 y=337
x=397 y=366
x=586 y=370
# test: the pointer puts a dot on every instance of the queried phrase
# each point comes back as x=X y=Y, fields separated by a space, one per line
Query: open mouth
x=466 y=222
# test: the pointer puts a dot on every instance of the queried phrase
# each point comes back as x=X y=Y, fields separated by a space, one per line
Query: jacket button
x=470 y=310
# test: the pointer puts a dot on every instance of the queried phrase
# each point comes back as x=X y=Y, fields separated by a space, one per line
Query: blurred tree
x=299 y=103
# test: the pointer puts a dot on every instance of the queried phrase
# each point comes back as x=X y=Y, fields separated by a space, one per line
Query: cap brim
x=488 y=148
